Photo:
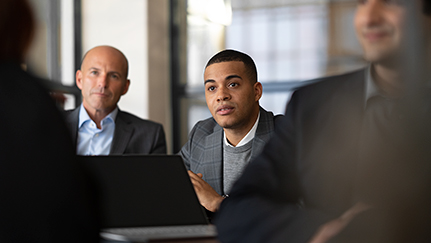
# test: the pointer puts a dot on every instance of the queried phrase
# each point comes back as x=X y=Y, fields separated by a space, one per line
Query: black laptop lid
x=144 y=190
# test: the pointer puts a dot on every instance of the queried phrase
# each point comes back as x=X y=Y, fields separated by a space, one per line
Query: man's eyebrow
x=209 y=81
x=110 y=72
x=227 y=78
x=115 y=72
x=233 y=76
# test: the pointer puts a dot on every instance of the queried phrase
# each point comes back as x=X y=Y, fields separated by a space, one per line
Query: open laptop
x=147 y=197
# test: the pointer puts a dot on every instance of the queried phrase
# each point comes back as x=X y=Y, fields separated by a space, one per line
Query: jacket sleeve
x=185 y=151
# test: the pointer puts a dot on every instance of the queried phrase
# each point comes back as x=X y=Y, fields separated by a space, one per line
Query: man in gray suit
x=98 y=126
x=220 y=147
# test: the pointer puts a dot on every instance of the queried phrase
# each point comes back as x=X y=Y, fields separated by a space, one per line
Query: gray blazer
x=132 y=134
x=203 y=152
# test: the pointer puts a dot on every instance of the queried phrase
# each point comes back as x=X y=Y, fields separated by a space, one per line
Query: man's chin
x=380 y=56
x=103 y=108
x=226 y=124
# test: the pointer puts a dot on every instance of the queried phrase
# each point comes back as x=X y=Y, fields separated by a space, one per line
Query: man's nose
x=223 y=94
x=103 y=81
x=372 y=12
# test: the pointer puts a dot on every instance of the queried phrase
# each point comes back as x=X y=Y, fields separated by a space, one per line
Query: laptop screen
x=144 y=190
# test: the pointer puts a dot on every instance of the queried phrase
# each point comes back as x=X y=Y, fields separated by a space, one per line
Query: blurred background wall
x=168 y=43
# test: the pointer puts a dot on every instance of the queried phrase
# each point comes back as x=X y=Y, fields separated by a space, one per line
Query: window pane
x=275 y=101
x=287 y=43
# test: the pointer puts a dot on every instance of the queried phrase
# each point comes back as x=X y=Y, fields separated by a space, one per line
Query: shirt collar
x=371 y=88
x=247 y=138
x=83 y=116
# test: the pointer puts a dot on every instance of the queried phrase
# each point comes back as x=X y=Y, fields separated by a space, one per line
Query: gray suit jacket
x=203 y=152
x=132 y=135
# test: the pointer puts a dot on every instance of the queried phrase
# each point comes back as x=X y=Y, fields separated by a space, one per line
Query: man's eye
x=233 y=85
x=93 y=72
x=211 y=88
x=114 y=76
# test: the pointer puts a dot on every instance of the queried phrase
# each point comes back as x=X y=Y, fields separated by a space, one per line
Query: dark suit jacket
x=286 y=194
x=203 y=152
x=45 y=195
x=308 y=173
x=132 y=135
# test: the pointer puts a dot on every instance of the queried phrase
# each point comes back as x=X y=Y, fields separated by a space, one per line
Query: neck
x=234 y=137
x=98 y=115
x=389 y=79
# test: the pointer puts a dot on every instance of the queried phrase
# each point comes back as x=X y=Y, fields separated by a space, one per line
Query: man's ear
x=257 y=91
x=126 y=87
x=78 y=79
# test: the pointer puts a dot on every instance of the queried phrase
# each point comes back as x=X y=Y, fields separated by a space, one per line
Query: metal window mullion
x=52 y=42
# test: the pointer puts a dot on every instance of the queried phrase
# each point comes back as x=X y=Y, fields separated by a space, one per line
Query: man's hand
x=335 y=226
x=207 y=196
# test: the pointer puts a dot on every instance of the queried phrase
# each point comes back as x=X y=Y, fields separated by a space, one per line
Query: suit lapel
x=263 y=133
x=122 y=134
x=72 y=123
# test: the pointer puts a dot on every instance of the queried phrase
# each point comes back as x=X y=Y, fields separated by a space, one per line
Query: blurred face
x=231 y=97
x=102 y=79
x=380 y=28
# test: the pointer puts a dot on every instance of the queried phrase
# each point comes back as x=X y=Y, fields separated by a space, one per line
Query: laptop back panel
x=144 y=190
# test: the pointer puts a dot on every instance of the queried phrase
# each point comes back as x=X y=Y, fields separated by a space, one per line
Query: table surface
x=200 y=240
x=196 y=240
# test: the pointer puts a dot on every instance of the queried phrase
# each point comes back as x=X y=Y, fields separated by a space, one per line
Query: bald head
x=102 y=80
x=109 y=54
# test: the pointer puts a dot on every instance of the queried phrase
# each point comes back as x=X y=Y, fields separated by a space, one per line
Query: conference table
x=195 y=240
x=200 y=240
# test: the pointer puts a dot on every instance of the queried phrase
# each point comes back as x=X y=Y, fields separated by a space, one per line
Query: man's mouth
x=224 y=110
x=375 y=36
x=101 y=94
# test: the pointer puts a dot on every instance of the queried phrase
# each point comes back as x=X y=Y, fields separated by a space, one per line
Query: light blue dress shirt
x=92 y=140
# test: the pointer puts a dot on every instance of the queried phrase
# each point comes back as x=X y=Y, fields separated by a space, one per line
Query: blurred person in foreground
x=98 y=126
x=351 y=160
x=45 y=196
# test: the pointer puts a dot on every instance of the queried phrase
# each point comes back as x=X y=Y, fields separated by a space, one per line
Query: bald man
x=98 y=126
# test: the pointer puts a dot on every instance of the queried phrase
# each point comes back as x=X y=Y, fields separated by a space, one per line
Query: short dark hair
x=17 y=29
x=229 y=55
